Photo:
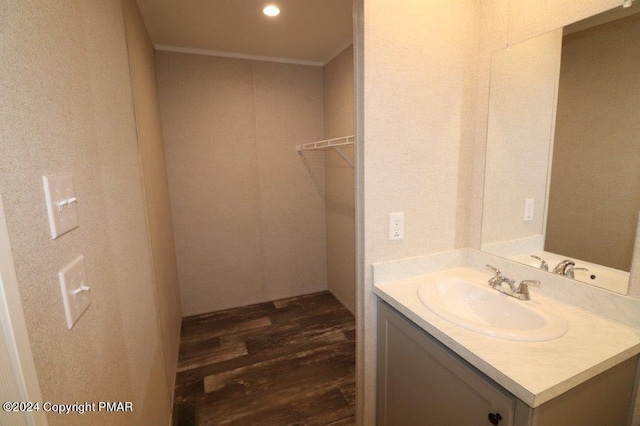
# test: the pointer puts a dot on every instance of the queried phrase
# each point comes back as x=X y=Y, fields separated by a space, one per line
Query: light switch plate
x=61 y=203
x=73 y=278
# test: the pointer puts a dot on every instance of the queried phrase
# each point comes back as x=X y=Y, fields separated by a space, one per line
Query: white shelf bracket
x=344 y=157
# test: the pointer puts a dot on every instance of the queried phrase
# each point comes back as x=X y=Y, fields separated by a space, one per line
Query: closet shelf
x=329 y=143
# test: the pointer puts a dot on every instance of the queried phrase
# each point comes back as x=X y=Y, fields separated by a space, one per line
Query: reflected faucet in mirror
x=543 y=263
x=567 y=268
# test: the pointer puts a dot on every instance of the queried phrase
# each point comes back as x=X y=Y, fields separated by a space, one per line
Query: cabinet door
x=422 y=383
x=606 y=399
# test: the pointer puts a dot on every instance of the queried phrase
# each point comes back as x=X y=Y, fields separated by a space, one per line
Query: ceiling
x=306 y=31
x=602 y=18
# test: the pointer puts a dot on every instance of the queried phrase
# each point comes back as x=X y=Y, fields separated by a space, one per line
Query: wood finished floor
x=289 y=362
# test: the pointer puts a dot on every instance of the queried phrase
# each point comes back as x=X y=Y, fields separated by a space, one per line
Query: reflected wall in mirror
x=562 y=176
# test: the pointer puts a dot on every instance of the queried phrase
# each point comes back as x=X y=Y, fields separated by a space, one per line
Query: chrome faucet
x=561 y=268
x=498 y=280
x=543 y=263
x=567 y=268
x=523 y=289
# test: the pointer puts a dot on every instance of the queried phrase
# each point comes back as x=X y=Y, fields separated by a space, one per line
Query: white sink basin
x=480 y=308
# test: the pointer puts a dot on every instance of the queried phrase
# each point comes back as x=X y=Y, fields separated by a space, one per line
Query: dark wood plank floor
x=289 y=362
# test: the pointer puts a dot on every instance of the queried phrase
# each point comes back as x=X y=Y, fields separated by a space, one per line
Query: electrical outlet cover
x=529 y=207
x=72 y=278
x=396 y=226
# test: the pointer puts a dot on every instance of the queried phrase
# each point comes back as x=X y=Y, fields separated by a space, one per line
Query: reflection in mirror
x=562 y=177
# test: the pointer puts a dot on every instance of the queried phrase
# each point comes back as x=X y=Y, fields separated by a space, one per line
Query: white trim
x=342 y=49
x=15 y=328
x=205 y=52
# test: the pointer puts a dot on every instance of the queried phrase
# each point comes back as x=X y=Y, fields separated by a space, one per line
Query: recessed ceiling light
x=271 y=10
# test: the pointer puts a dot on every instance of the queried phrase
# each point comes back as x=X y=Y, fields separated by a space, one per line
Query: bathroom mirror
x=562 y=175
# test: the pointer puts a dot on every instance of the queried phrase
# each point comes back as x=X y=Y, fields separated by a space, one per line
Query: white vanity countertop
x=535 y=372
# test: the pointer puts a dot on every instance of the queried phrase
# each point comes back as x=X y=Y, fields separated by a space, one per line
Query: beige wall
x=67 y=107
x=416 y=74
x=151 y=147
x=339 y=117
x=596 y=167
x=249 y=221
x=524 y=81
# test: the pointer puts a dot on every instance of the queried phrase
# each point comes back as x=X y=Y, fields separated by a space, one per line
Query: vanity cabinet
x=421 y=382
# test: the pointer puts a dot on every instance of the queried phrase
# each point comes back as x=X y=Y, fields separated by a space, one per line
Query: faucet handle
x=495 y=270
x=570 y=271
x=543 y=263
x=527 y=283
x=523 y=289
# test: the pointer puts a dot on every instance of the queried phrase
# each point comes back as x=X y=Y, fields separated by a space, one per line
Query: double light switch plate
x=75 y=290
x=61 y=203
